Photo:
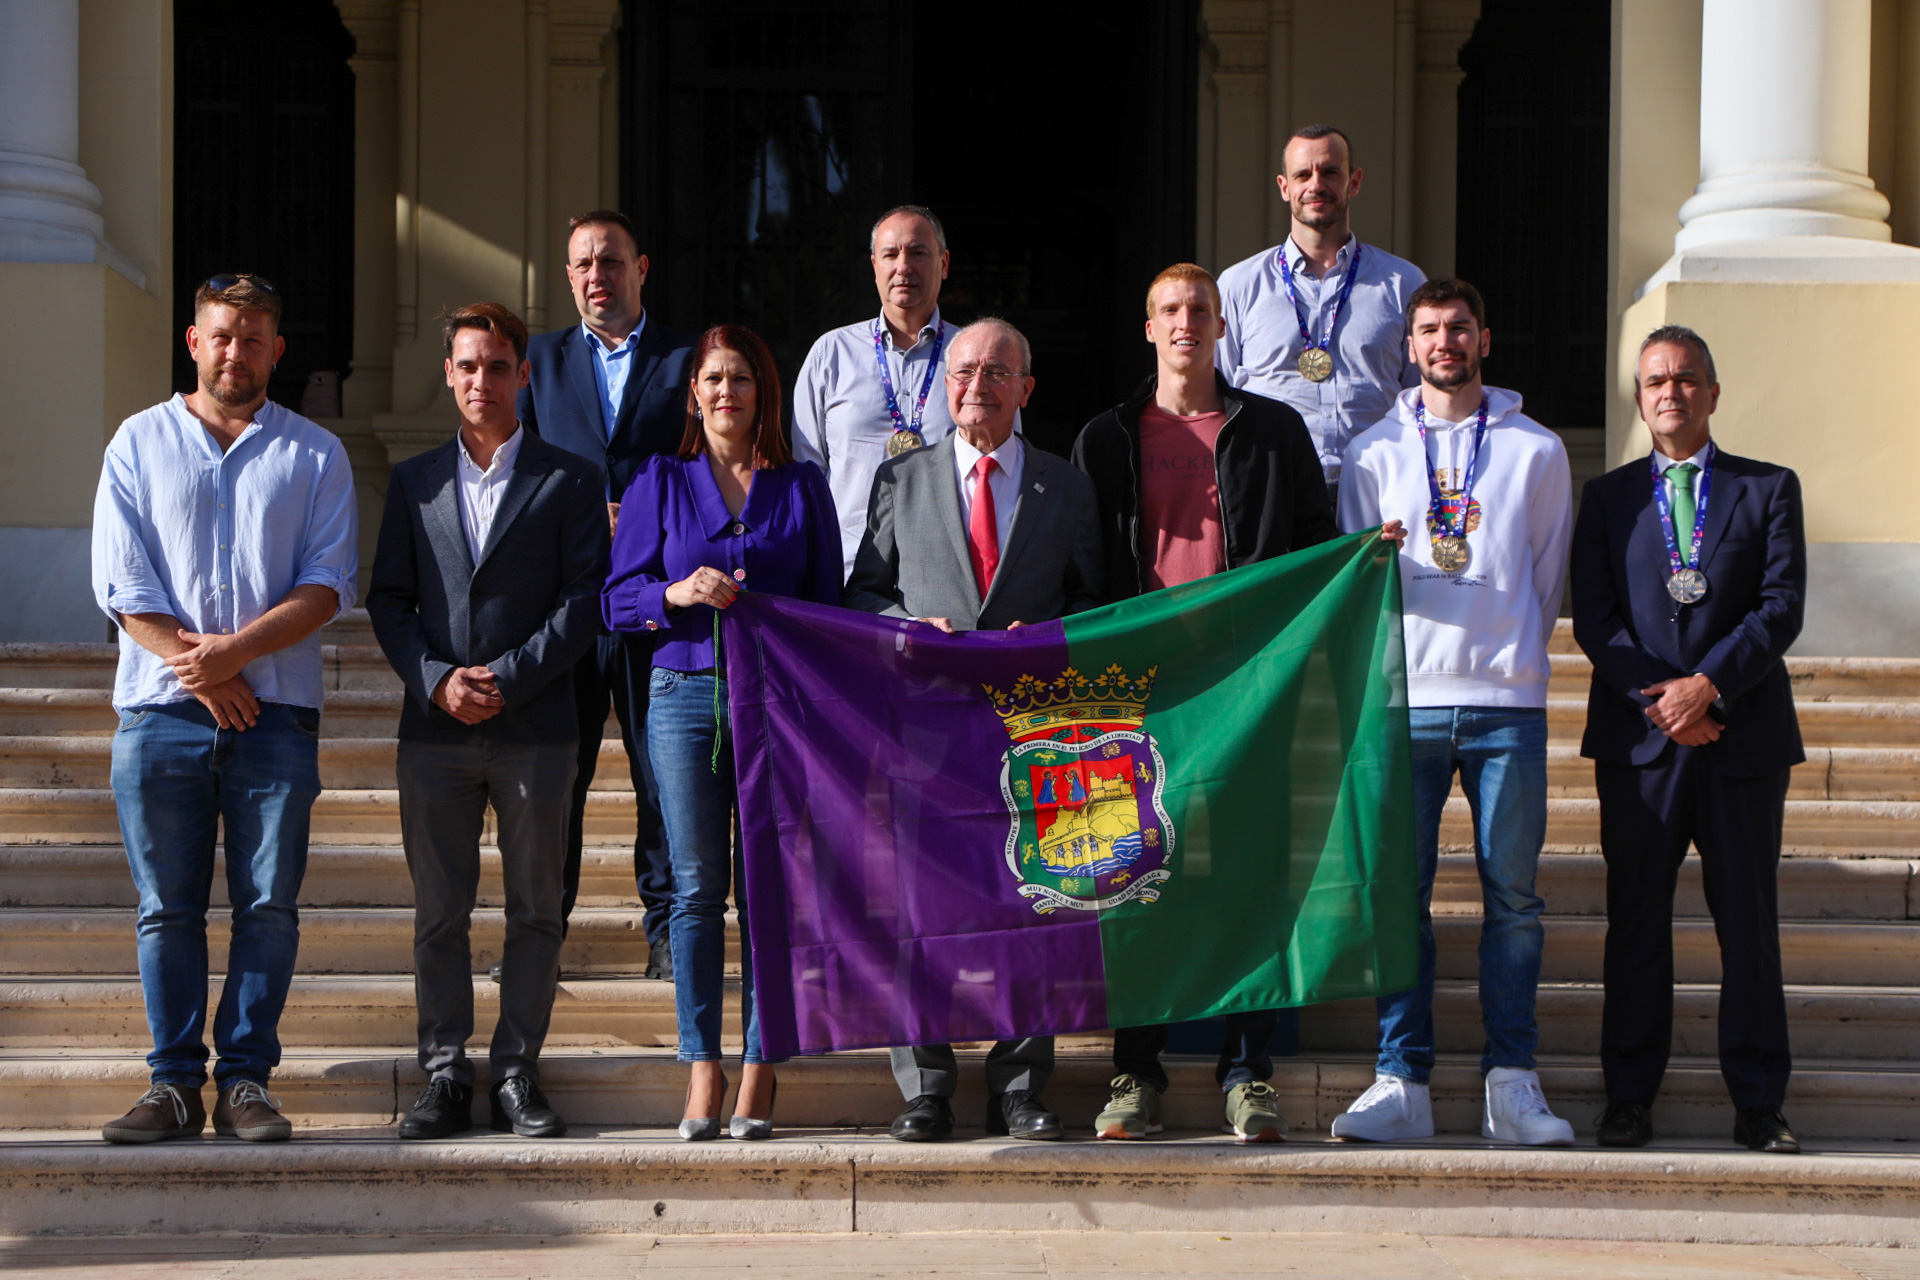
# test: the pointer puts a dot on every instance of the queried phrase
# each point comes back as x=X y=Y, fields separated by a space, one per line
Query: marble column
x=1783 y=124
x=49 y=212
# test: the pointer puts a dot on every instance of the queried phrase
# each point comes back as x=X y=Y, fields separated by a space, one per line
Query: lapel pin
x=1038 y=487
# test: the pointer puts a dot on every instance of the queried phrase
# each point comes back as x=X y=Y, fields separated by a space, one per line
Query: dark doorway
x=263 y=178
x=763 y=137
x=1532 y=236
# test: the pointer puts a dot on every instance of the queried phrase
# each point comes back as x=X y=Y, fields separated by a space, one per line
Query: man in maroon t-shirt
x=1194 y=476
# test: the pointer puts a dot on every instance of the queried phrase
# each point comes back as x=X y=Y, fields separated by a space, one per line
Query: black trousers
x=1648 y=817
x=616 y=670
x=1244 y=1054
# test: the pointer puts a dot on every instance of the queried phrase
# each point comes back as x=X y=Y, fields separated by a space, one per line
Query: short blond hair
x=1190 y=272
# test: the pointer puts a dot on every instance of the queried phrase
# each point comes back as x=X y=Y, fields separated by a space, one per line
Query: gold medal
x=1315 y=364
x=1451 y=553
x=905 y=440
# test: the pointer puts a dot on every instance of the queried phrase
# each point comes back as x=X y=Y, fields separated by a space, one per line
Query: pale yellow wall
x=1856 y=451
x=1385 y=73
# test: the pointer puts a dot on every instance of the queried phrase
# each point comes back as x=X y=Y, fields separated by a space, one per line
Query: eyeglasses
x=221 y=283
x=992 y=375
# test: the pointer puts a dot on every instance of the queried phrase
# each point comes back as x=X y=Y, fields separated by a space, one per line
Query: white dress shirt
x=480 y=490
x=1009 y=465
x=840 y=418
x=1261 y=348
x=217 y=539
x=612 y=366
x=1700 y=461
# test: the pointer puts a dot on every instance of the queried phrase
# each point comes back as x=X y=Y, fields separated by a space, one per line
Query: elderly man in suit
x=613 y=389
x=1689 y=576
x=486 y=591
x=979 y=532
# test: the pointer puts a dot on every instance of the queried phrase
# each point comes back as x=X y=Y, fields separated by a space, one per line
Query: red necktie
x=983 y=535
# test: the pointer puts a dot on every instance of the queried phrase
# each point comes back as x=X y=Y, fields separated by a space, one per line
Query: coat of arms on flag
x=1083 y=783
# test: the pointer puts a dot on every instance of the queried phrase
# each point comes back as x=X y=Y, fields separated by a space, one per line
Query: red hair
x=770 y=447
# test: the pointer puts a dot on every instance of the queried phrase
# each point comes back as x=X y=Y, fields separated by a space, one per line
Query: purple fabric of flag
x=876 y=872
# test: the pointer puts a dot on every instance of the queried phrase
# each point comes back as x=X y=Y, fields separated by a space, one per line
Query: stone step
x=1811 y=887
x=95 y=875
x=1574 y=884
x=1883 y=827
x=347 y=1086
x=92 y=666
x=610 y=940
x=1814 y=679
x=66 y=1013
x=858 y=1203
x=82 y=815
x=1881 y=723
x=45 y=761
x=333 y=940
x=86 y=815
x=353 y=626
x=346 y=764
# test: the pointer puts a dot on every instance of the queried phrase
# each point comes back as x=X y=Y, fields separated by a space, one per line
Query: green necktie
x=1682 y=477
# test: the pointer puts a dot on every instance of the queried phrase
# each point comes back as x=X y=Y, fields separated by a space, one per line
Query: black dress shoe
x=1018 y=1113
x=446 y=1108
x=1764 y=1129
x=660 y=962
x=1625 y=1124
x=926 y=1119
x=519 y=1105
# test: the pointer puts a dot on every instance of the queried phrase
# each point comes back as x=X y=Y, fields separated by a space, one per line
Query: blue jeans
x=697 y=806
x=175 y=776
x=1501 y=756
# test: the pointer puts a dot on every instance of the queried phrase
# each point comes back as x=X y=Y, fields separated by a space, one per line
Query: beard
x=1327 y=215
x=1458 y=376
x=236 y=388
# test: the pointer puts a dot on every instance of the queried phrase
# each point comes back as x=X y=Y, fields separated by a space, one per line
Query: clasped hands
x=1680 y=711
x=209 y=669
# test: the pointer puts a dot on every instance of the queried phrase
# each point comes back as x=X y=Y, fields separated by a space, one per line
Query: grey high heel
x=702 y=1128
x=748 y=1129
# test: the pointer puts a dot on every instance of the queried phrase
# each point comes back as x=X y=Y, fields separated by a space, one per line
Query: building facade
x=1748 y=167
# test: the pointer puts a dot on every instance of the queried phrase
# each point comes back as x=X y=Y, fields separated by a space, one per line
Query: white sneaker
x=1392 y=1110
x=1517 y=1111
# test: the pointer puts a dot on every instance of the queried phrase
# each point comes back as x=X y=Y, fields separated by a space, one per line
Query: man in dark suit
x=1689 y=576
x=486 y=591
x=979 y=532
x=613 y=389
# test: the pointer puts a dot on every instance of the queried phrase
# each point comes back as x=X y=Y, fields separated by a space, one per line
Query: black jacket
x=1273 y=494
x=529 y=610
x=1754 y=553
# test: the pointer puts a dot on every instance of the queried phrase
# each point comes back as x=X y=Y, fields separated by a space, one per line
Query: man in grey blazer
x=980 y=532
x=486 y=591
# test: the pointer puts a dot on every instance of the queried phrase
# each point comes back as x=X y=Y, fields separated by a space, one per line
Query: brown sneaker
x=164 y=1111
x=248 y=1112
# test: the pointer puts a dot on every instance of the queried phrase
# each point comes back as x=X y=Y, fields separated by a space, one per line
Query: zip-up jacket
x=1273 y=497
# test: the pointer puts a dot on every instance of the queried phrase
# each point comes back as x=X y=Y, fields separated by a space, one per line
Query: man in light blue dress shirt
x=1356 y=316
x=224 y=536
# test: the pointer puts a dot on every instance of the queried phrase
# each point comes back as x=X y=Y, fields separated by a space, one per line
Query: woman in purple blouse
x=731 y=511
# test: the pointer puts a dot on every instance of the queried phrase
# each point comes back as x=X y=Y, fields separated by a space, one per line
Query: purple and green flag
x=1195 y=802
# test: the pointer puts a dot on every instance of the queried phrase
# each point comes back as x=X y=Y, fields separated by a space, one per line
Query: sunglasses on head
x=221 y=283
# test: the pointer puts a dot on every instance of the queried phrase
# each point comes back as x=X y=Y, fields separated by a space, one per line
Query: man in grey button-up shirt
x=1263 y=344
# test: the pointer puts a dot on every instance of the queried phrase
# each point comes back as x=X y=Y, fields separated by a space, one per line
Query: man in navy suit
x=613 y=389
x=1689 y=577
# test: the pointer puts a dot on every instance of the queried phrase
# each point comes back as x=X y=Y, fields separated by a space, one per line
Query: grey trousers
x=444 y=793
x=1011 y=1064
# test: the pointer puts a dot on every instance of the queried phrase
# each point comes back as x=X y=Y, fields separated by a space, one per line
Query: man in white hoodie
x=1487 y=498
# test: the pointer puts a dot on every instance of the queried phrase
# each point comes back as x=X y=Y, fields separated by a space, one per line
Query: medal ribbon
x=1664 y=505
x=1300 y=310
x=1437 y=504
x=886 y=379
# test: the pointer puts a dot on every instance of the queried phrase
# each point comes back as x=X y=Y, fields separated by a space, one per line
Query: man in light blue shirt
x=224 y=536
x=1319 y=321
x=611 y=365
